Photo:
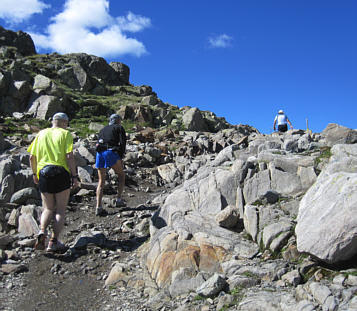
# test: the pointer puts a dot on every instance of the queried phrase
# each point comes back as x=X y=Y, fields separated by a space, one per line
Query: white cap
x=281 y=112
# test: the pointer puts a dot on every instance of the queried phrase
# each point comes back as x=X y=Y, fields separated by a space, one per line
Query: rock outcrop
x=20 y=40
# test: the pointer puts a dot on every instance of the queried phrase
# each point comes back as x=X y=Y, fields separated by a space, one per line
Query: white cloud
x=86 y=26
x=17 y=11
x=133 y=23
x=220 y=41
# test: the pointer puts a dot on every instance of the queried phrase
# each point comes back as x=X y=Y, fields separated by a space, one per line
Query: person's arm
x=72 y=167
x=124 y=140
x=33 y=165
x=289 y=123
x=274 y=124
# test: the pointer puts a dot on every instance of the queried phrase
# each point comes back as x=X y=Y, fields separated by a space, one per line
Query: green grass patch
x=258 y=203
x=325 y=153
x=249 y=274
x=238 y=294
x=14 y=127
x=198 y=298
x=112 y=287
x=81 y=128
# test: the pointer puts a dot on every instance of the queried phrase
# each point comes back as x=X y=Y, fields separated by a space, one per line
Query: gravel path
x=75 y=281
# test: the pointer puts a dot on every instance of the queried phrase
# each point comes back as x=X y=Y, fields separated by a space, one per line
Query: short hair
x=60 y=116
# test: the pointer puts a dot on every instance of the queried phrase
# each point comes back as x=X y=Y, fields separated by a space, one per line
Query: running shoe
x=40 y=241
x=99 y=211
x=119 y=202
x=55 y=246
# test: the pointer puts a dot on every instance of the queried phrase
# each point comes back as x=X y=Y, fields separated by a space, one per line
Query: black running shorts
x=55 y=184
x=282 y=127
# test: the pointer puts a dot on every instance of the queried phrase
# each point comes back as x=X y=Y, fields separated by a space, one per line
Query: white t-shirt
x=281 y=119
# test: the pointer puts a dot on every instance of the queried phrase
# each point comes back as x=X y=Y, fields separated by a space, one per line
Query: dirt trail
x=76 y=281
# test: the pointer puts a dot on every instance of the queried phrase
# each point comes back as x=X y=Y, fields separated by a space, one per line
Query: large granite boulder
x=193 y=121
x=186 y=239
x=326 y=225
x=122 y=70
x=97 y=68
x=76 y=78
x=338 y=134
x=45 y=106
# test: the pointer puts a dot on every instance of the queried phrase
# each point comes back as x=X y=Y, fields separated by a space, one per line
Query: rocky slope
x=219 y=217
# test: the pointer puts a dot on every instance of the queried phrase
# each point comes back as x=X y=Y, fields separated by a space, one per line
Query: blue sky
x=242 y=59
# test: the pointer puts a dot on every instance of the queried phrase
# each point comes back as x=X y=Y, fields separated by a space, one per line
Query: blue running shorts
x=106 y=159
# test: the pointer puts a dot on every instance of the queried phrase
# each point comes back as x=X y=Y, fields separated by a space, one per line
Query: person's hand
x=75 y=182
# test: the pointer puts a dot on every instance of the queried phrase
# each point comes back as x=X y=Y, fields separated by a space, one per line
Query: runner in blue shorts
x=106 y=159
x=110 y=152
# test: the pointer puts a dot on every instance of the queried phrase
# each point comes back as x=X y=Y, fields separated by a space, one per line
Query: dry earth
x=75 y=281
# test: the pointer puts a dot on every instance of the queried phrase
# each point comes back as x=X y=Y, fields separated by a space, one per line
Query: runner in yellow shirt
x=54 y=170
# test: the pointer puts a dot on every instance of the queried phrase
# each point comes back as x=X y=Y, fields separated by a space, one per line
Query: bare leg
x=118 y=169
x=48 y=202
x=61 y=204
x=100 y=187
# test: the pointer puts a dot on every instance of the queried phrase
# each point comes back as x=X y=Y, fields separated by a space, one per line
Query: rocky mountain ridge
x=219 y=217
x=84 y=86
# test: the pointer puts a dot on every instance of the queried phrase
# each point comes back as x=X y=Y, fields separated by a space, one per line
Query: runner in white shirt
x=282 y=120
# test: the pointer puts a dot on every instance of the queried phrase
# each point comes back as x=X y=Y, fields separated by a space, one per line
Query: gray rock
x=14 y=218
x=27 y=226
x=24 y=195
x=274 y=231
x=331 y=304
x=251 y=222
x=292 y=278
x=13 y=268
x=351 y=280
x=86 y=153
x=45 y=106
x=319 y=292
x=228 y=218
x=7 y=188
x=262 y=300
x=168 y=172
x=239 y=281
x=256 y=186
x=5 y=240
x=337 y=134
x=307 y=176
x=5 y=80
x=122 y=70
x=183 y=282
x=224 y=302
x=193 y=120
x=42 y=83
x=76 y=77
x=212 y=286
x=21 y=40
x=339 y=279
x=285 y=183
x=334 y=194
x=84 y=175
x=89 y=237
